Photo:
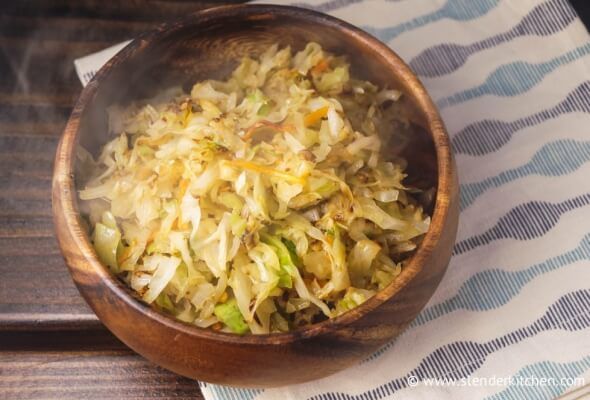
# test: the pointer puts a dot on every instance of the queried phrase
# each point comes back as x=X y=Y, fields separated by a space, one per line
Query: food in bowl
x=271 y=200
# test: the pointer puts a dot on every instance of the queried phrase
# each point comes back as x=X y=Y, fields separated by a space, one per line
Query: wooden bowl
x=209 y=44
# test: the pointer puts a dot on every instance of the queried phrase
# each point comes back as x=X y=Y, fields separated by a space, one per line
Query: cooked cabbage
x=259 y=203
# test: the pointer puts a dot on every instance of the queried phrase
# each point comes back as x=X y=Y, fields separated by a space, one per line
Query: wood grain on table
x=51 y=344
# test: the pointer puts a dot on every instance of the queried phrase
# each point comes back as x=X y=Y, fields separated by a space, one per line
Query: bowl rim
x=64 y=193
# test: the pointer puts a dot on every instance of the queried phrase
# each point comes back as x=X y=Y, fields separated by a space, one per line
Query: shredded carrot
x=263 y=169
x=151 y=141
x=179 y=225
x=182 y=187
x=260 y=124
x=321 y=66
x=126 y=253
x=315 y=116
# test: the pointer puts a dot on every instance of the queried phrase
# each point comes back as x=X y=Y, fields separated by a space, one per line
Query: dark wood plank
x=131 y=10
x=88 y=374
x=69 y=339
x=36 y=289
x=65 y=28
x=68 y=364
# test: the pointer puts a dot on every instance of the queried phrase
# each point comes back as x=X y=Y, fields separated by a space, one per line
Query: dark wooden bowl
x=209 y=44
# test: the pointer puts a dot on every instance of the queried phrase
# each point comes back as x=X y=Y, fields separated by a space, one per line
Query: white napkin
x=511 y=317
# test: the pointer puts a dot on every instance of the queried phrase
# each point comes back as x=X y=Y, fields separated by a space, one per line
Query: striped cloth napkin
x=511 y=318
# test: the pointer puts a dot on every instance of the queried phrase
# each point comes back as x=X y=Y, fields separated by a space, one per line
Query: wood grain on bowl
x=209 y=44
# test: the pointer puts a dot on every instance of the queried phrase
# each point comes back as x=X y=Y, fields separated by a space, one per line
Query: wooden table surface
x=51 y=344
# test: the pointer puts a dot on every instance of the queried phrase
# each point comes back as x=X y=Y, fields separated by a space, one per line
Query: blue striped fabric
x=545 y=369
x=458 y=10
x=489 y=135
x=512 y=80
x=223 y=392
x=524 y=222
x=493 y=288
x=460 y=359
x=553 y=159
x=445 y=58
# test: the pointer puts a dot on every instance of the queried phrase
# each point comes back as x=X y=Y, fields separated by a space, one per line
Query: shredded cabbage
x=107 y=240
x=260 y=203
x=230 y=315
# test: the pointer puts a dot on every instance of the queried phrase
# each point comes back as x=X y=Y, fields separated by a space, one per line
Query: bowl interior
x=211 y=44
